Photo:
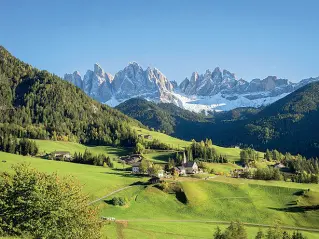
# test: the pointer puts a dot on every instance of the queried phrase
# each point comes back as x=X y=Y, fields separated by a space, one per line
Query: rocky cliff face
x=128 y=83
x=212 y=83
x=75 y=79
x=213 y=90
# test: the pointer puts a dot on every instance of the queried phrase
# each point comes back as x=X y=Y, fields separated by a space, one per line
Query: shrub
x=45 y=206
x=119 y=201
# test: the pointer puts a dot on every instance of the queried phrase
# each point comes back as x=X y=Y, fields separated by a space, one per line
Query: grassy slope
x=216 y=201
x=47 y=146
x=222 y=167
x=209 y=200
x=97 y=181
x=182 y=230
x=261 y=203
x=231 y=153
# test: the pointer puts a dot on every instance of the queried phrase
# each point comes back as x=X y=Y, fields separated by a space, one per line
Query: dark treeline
x=13 y=145
x=39 y=105
x=306 y=170
x=155 y=144
x=301 y=164
x=248 y=156
x=238 y=231
x=89 y=158
x=269 y=173
x=199 y=151
x=301 y=170
x=204 y=151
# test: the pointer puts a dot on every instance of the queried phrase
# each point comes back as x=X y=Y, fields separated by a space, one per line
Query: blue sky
x=253 y=39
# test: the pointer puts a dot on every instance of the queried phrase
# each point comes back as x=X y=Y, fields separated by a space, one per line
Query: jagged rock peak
x=98 y=70
x=76 y=73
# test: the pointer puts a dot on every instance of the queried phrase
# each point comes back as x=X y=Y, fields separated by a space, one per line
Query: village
x=142 y=165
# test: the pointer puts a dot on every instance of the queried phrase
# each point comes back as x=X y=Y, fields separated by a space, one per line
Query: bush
x=119 y=201
x=45 y=206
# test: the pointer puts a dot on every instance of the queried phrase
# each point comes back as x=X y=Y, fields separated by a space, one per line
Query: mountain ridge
x=288 y=125
x=214 y=90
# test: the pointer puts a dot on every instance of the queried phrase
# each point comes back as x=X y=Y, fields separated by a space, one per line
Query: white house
x=136 y=168
x=160 y=173
x=61 y=155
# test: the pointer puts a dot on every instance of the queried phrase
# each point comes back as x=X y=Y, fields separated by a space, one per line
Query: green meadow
x=97 y=181
x=47 y=146
x=233 y=154
x=153 y=213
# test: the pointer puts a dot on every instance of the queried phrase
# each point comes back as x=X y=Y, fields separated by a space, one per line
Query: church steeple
x=184 y=159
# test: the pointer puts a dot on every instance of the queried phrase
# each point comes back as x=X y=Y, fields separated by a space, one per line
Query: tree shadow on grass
x=297 y=209
x=299 y=193
x=129 y=175
x=164 y=158
x=110 y=202
x=179 y=194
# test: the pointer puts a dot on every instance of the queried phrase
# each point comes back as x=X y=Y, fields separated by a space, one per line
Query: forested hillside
x=38 y=104
x=165 y=117
x=289 y=125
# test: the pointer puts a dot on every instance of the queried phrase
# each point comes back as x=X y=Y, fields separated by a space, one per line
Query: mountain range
x=289 y=124
x=217 y=90
x=37 y=104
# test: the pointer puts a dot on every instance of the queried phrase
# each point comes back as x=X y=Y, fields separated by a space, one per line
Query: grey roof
x=189 y=164
x=279 y=165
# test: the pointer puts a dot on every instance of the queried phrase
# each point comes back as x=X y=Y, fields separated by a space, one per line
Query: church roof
x=189 y=164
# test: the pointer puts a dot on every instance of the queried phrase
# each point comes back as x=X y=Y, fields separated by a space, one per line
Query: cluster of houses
x=184 y=169
x=62 y=155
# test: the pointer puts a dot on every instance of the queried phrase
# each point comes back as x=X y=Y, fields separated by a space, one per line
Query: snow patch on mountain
x=216 y=90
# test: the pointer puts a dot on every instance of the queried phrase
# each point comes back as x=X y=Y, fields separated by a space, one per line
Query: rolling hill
x=153 y=213
x=289 y=125
x=163 y=116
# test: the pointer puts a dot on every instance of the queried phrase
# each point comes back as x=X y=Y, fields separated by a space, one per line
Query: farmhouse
x=239 y=173
x=130 y=159
x=279 y=165
x=61 y=155
x=148 y=136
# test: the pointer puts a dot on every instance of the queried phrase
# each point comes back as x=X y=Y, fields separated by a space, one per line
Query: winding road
x=110 y=194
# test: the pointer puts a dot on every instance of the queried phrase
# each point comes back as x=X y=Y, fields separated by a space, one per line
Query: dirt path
x=116 y=191
x=224 y=222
